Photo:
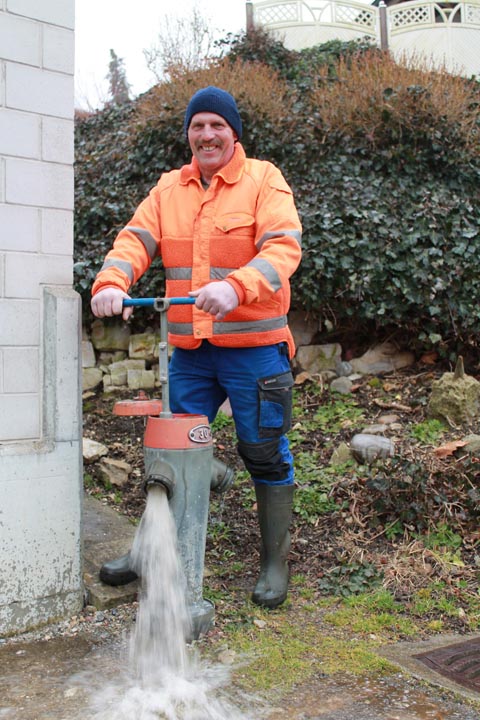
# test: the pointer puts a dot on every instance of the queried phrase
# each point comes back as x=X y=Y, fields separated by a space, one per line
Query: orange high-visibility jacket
x=244 y=228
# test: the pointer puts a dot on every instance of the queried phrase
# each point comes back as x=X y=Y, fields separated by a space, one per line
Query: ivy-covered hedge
x=383 y=160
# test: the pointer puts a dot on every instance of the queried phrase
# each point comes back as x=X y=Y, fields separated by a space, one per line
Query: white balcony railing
x=286 y=14
x=444 y=33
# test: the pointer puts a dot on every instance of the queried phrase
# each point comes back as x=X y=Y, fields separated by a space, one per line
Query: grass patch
x=278 y=653
x=356 y=657
x=441 y=601
x=375 y=614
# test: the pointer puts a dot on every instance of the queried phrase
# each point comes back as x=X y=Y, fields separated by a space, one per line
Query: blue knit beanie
x=214 y=100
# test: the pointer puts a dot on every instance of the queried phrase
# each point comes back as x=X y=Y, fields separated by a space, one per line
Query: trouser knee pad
x=264 y=461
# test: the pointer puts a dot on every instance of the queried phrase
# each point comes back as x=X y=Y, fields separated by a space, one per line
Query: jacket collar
x=230 y=173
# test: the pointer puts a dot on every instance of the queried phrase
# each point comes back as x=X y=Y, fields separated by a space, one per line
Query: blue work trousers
x=258 y=382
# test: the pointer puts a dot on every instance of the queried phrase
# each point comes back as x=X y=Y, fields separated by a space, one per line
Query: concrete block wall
x=40 y=409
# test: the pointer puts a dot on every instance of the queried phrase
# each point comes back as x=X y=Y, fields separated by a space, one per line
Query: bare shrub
x=376 y=96
x=257 y=89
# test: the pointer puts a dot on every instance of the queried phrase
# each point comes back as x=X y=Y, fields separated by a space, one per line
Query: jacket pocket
x=275 y=404
x=234 y=221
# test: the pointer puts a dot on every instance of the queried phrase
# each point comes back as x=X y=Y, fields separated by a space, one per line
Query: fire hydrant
x=178 y=455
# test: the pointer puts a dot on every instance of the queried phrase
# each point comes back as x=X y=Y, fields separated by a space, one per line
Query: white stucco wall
x=40 y=391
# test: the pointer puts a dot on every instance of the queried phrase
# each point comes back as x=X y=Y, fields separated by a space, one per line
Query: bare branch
x=187 y=42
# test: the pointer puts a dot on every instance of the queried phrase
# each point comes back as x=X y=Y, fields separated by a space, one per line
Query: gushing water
x=162 y=679
x=159 y=642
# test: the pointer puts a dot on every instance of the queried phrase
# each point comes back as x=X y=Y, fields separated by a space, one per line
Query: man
x=229 y=235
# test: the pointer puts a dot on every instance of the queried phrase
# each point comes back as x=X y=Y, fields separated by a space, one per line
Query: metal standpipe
x=178 y=454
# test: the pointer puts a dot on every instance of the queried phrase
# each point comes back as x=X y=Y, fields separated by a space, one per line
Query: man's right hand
x=109 y=302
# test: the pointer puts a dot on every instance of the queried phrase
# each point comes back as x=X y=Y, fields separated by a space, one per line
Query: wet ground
x=392 y=698
x=63 y=679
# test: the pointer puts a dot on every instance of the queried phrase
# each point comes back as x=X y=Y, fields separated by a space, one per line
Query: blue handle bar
x=146 y=302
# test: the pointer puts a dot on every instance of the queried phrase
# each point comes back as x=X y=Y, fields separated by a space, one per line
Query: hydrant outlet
x=159 y=472
x=162 y=480
x=222 y=477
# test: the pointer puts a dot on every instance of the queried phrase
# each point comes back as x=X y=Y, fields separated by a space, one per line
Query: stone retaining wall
x=114 y=356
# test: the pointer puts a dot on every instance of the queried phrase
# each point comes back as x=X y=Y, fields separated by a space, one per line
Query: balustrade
x=408 y=27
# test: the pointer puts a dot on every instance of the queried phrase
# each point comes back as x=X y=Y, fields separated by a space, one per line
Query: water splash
x=161 y=678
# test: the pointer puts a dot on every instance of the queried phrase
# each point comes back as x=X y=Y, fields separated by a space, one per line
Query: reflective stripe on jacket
x=244 y=228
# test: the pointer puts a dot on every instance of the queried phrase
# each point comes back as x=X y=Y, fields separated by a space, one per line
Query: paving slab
x=106 y=535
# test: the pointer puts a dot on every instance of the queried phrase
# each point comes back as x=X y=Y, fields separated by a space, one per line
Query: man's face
x=212 y=142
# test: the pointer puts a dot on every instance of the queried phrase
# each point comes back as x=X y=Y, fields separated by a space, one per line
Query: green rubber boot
x=118 y=572
x=274 y=508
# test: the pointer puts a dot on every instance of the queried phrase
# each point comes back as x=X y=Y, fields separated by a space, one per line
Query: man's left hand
x=216 y=298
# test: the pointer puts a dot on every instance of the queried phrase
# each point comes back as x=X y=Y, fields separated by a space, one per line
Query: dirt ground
x=371 y=525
